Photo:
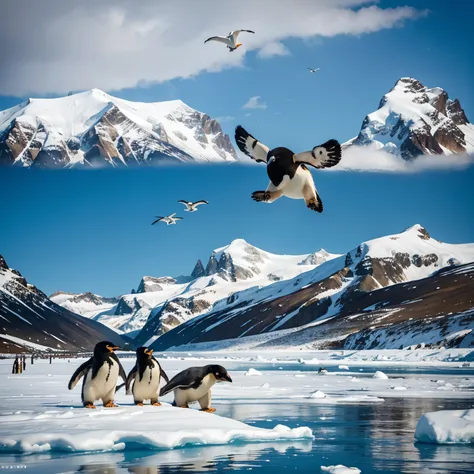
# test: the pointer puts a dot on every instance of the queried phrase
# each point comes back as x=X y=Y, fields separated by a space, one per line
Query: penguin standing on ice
x=100 y=374
x=194 y=385
x=287 y=171
x=145 y=377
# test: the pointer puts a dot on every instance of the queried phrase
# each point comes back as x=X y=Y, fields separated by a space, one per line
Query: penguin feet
x=208 y=410
x=315 y=204
x=156 y=403
x=110 y=404
x=261 y=196
x=89 y=405
x=139 y=404
x=184 y=406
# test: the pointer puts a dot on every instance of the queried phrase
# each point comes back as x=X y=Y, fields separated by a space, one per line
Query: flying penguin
x=313 y=70
x=194 y=385
x=143 y=381
x=171 y=219
x=230 y=40
x=100 y=374
x=192 y=206
x=287 y=171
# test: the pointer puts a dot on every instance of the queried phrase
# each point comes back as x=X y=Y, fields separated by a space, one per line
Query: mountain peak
x=413 y=120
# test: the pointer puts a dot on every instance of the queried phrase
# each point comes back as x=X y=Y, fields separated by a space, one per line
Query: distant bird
x=192 y=206
x=287 y=171
x=168 y=219
x=314 y=70
x=230 y=40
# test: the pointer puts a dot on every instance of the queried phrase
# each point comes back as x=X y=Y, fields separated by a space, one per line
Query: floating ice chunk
x=398 y=387
x=446 y=427
x=313 y=361
x=340 y=469
x=344 y=367
x=380 y=375
x=252 y=372
x=152 y=428
x=318 y=394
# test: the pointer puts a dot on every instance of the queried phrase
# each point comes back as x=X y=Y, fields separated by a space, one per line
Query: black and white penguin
x=287 y=171
x=143 y=381
x=194 y=385
x=100 y=373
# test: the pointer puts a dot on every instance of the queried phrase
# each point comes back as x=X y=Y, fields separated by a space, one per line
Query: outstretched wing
x=81 y=371
x=171 y=216
x=130 y=378
x=184 y=202
x=184 y=379
x=322 y=156
x=220 y=39
x=237 y=32
x=177 y=218
x=198 y=203
x=157 y=220
x=250 y=145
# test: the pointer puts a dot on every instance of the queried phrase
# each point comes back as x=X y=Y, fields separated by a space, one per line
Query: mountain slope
x=29 y=320
x=413 y=120
x=162 y=303
x=93 y=128
x=341 y=287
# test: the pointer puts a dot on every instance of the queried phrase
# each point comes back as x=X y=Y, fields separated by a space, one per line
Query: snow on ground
x=446 y=427
x=38 y=413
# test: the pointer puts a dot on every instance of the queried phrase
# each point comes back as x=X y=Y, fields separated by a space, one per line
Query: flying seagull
x=168 y=219
x=287 y=171
x=192 y=206
x=230 y=40
x=313 y=70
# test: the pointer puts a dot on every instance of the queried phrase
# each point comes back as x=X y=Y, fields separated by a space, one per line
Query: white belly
x=194 y=394
x=294 y=187
x=147 y=387
x=103 y=384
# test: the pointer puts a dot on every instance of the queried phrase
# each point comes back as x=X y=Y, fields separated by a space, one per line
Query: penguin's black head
x=104 y=347
x=144 y=353
x=282 y=154
x=219 y=373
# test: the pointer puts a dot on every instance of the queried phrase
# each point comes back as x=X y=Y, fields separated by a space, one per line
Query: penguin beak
x=226 y=377
x=112 y=348
x=149 y=352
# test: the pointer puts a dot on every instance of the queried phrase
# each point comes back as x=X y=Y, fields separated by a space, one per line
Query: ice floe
x=446 y=427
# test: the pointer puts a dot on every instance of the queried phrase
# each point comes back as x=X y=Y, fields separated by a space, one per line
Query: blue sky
x=91 y=231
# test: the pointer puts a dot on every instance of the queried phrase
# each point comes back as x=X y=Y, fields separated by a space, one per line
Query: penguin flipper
x=128 y=383
x=162 y=372
x=122 y=373
x=185 y=379
x=81 y=371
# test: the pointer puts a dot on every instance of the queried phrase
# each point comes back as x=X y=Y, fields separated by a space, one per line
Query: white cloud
x=225 y=118
x=255 y=102
x=369 y=158
x=273 y=49
x=113 y=44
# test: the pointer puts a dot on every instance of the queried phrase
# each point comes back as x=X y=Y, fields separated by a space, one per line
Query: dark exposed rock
x=211 y=267
x=198 y=271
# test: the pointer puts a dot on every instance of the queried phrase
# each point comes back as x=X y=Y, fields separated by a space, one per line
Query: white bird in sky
x=192 y=206
x=313 y=70
x=168 y=219
x=230 y=40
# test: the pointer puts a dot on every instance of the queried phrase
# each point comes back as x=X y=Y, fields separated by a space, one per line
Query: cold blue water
x=376 y=438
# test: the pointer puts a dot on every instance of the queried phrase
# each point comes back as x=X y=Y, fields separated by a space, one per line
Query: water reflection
x=377 y=438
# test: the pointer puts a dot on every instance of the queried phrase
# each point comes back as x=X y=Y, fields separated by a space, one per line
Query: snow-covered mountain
x=162 y=303
x=413 y=120
x=93 y=128
x=353 y=294
x=30 y=321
